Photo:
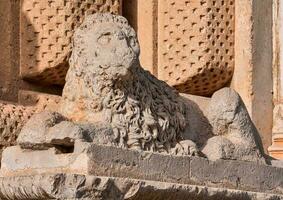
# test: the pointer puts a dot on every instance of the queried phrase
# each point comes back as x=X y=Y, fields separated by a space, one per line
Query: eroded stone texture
x=196 y=44
x=50 y=129
x=94 y=160
x=106 y=84
x=79 y=187
x=33 y=134
x=237 y=137
x=46 y=31
x=13 y=117
x=112 y=88
x=254 y=76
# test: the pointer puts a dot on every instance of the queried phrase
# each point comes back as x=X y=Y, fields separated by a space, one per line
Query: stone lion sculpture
x=107 y=87
x=105 y=83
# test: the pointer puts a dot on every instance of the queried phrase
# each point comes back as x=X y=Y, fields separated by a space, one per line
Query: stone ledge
x=249 y=176
x=93 y=160
x=79 y=187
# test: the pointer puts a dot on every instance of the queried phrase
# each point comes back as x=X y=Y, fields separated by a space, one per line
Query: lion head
x=105 y=44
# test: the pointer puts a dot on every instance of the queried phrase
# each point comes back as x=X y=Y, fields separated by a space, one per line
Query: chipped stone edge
x=72 y=186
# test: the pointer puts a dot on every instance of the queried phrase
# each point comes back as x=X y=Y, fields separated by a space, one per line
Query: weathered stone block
x=196 y=44
x=111 y=161
x=46 y=31
x=237 y=174
x=91 y=159
x=21 y=162
x=79 y=187
x=16 y=159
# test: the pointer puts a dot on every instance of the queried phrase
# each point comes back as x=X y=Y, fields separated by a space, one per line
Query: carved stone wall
x=12 y=119
x=46 y=32
x=196 y=44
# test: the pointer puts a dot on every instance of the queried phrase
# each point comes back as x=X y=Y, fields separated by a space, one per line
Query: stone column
x=276 y=149
x=252 y=77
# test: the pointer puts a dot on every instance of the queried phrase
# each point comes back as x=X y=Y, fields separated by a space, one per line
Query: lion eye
x=105 y=38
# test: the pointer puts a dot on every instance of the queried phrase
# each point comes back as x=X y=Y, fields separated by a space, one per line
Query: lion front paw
x=185 y=147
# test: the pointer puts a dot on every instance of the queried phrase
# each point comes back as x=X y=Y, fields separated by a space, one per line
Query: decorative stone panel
x=12 y=119
x=46 y=32
x=196 y=44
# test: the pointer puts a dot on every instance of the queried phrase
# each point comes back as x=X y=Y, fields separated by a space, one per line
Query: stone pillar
x=252 y=77
x=276 y=149
x=9 y=49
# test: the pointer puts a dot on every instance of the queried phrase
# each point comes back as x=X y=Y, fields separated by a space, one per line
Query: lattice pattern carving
x=196 y=44
x=46 y=30
x=12 y=119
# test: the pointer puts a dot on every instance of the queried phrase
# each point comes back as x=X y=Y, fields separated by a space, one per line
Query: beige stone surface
x=276 y=150
x=17 y=161
x=41 y=101
x=202 y=102
x=252 y=77
x=9 y=48
x=196 y=44
x=46 y=31
x=142 y=16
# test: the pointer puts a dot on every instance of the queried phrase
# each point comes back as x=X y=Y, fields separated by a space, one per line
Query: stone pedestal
x=85 y=173
x=77 y=187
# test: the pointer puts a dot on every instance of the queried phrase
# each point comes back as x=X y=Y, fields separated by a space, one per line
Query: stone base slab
x=72 y=186
x=93 y=160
